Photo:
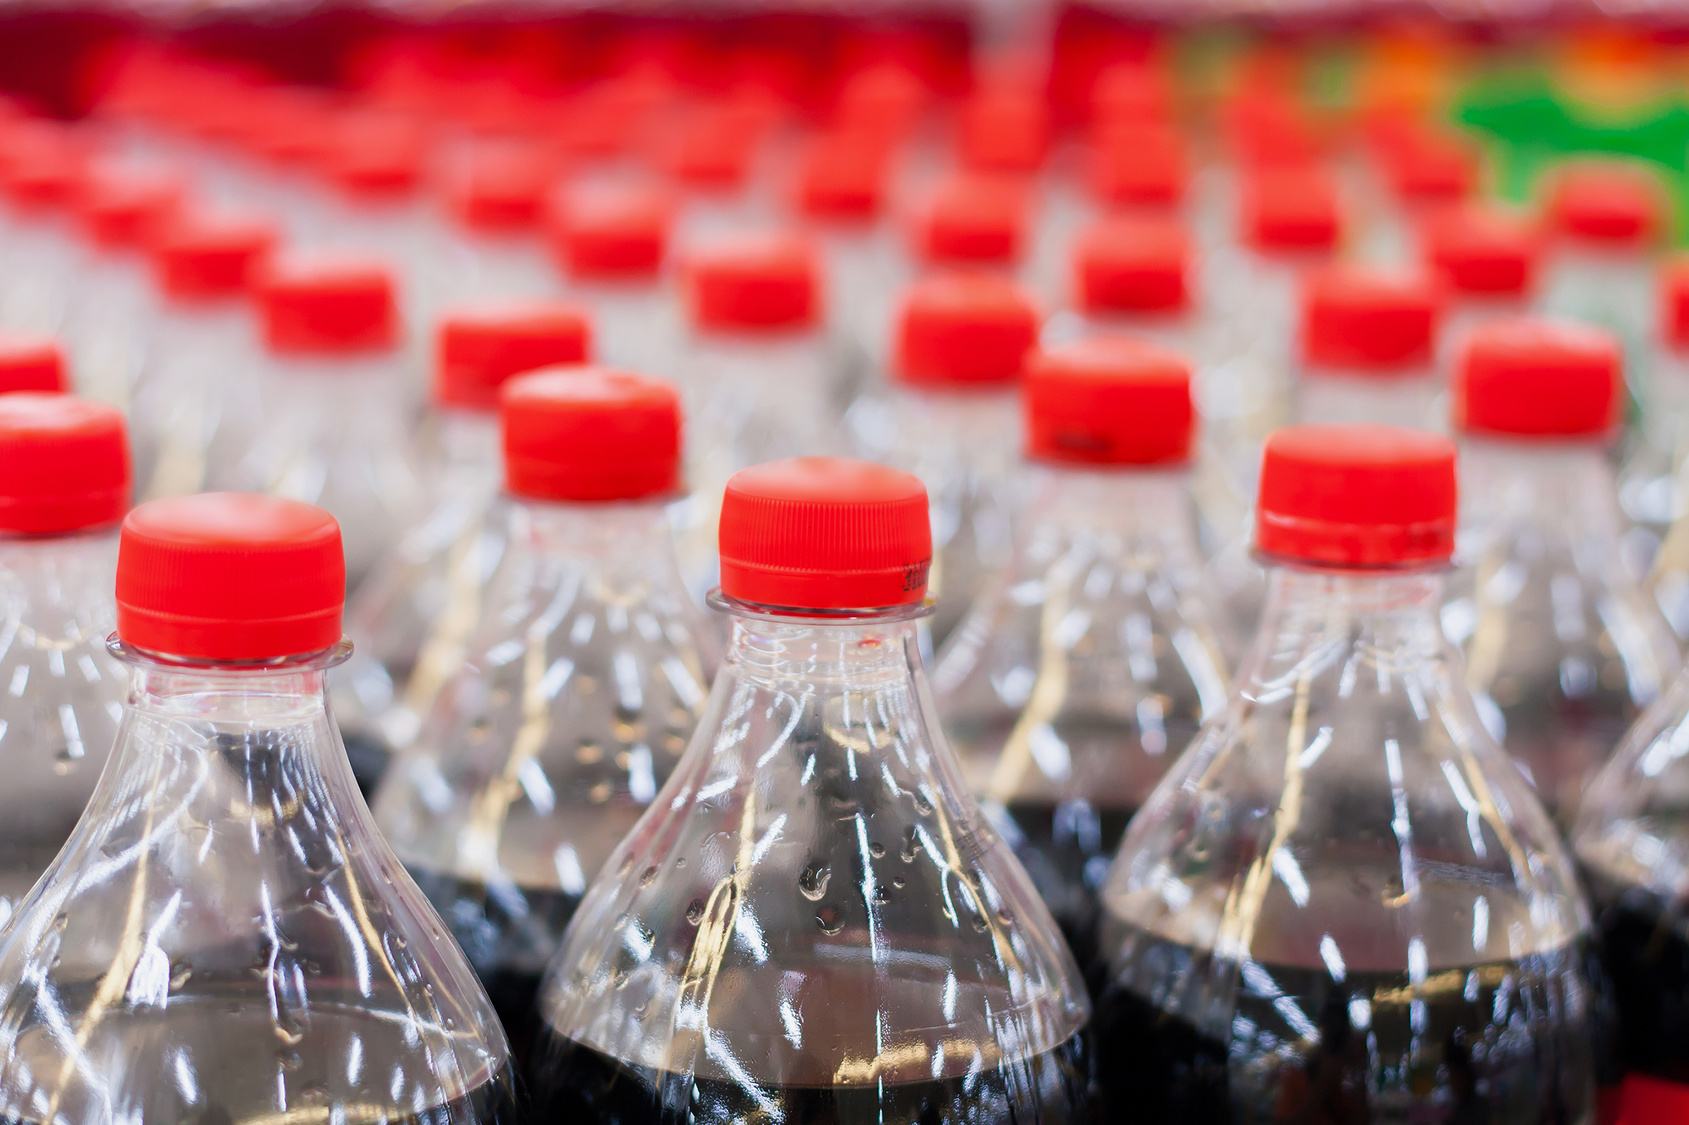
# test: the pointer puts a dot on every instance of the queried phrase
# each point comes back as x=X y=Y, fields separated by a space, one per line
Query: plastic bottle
x=337 y=403
x=41 y=168
x=1132 y=274
x=1654 y=486
x=1607 y=220
x=225 y=935
x=1487 y=263
x=577 y=692
x=1344 y=901
x=64 y=484
x=31 y=363
x=1562 y=649
x=1080 y=673
x=422 y=601
x=813 y=921
x=613 y=244
x=976 y=222
x=1368 y=341
x=498 y=196
x=950 y=414
x=196 y=405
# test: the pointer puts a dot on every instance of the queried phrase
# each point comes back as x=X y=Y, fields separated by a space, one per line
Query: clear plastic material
x=1081 y=673
x=1344 y=903
x=813 y=921
x=1654 y=484
x=964 y=444
x=1406 y=398
x=337 y=433
x=412 y=617
x=1562 y=649
x=62 y=697
x=576 y=695
x=227 y=938
x=1632 y=844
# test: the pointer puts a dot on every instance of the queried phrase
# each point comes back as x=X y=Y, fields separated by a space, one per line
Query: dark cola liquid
x=1066 y=847
x=1644 y=951
x=1291 y=1044
x=369 y=757
x=508 y=934
x=569 y=1082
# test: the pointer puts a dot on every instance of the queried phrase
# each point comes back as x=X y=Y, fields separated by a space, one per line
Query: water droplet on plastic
x=812 y=881
x=898 y=881
x=979 y=924
x=830 y=919
x=907 y=852
x=876 y=849
x=648 y=877
x=695 y=911
x=922 y=805
x=1005 y=918
x=680 y=862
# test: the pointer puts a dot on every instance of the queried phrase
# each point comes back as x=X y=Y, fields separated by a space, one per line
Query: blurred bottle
x=42 y=165
x=1608 y=218
x=813 y=921
x=64 y=484
x=226 y=937
x=31 y=362
x=337 y=408
x=950 y=414
x=1131 y=274
x=497 y=194
x=1419 y=172
x=1080 y=673
x=1654 y=483
x=1563 y=650
x=410 y=620
x=576 y=693
x=1344 y=903
x=612 y=243
x=974 y=222
x=1486 y=261
x=1368 y=341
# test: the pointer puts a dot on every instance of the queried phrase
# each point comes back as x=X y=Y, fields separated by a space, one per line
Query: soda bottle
x=1487 y=262
x=42 y=165
x=813 y=921
x=612 y=244
x=30 y=362
x=225 y=937
x=498 y=197
x=1630 y=840
x=336 y=401
x=1654 y=487
x=1344 y=903
x=1367 y=340
x=1608 y=218
x=974 y=221
x=1563 y=650
x=1131 y=275
x=64 y=483
x=951 y=415
x=410 y=620
x=1079 y=674
x=575 y=694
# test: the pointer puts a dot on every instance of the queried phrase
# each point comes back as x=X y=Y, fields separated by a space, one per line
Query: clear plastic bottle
x=30 y=362
x=1131 y=275
x=410 y=620
x=64 y=483
x=1608 y=219
x=1344 y=903
x=1563 y=650
x=1486 y=260
x=338 y=418
x=498 y=196
x=613 y=245
x=975 y=222
x=1368 y=340
x=813 y=921
x=197 y=402
x=41 y=167
x=1080 y=673
x=225 y=937
x=950 y=414
x=576 y=693
x=1631 y=842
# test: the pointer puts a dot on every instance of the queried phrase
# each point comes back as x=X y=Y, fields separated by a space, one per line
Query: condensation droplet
x=830 y=919
x=899 y=882
x=695 y=911
x=648 y=876
x=876 y=849
x=812 y=881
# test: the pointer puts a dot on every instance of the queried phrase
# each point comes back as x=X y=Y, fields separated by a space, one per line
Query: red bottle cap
x=1369 y=496
x=842 y=178
x=973 y=220
x=327 y=307
x=965 y=330
x=41 y=165
x=1537 y=378
x=1108 y=401
x=712 y=147
x=1427 y=166
x=128 y=206
x=1140 y=164
x=1132 y=93
x=31 y=363
x=1481 y=251
x=1613 y=204
x=755 y=283
x=230 y=576
x=612 y=236
x=825 y=533
x=1005 y=131
x=479 y=350
x=375 y=155
x=586 y=434
x=64 y=463
x=503 y=187
x=1367 y=320
x=206 y=257
x=1674 y=286
x=1644 y=1100
x=1133 y=265
x=1290 y=209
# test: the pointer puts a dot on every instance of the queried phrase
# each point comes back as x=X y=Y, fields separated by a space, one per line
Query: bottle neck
x=468 y=439
x=231 y=694
x=1392 y=614
x=1136 y=507
x=1567 y=485
x=791 y=653
x=69 y=572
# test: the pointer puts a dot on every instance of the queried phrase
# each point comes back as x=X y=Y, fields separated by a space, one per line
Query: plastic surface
x=755 y=284
x=327 y=308
x=477 y=350
x=208 y=257
x=1482 y=252
x=187 y=956
x=975 y=221
x=31 y=363
x=1108 y=401
x=230 y=576
x=1538 y=379
x=1360 y=495
x=813 y=920
x=1368 y=320
x=589 y=435
x=825 y=533
x=619 y=235
x=1134 y=164
x=64 y=464
x=962 y=330
x=1133 y=265
x=1290 y=210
